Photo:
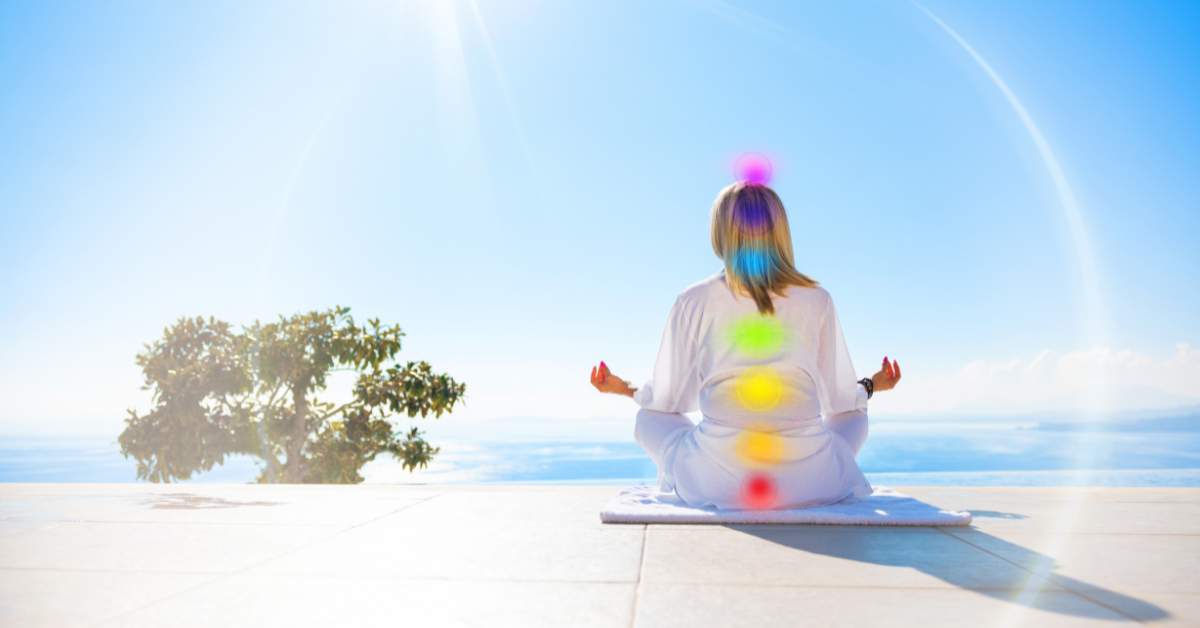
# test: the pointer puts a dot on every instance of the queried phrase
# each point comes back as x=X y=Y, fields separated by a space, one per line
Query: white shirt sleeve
x=675 y=386
x=839 y=382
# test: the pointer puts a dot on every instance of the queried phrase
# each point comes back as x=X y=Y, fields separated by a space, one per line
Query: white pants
x=657 y=431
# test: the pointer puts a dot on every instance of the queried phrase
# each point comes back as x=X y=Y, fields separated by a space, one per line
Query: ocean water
x=896 y=454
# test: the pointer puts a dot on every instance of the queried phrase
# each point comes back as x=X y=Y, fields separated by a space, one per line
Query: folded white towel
x=885 y=507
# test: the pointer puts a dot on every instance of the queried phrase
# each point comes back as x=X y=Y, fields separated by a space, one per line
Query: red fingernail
x=603 y=365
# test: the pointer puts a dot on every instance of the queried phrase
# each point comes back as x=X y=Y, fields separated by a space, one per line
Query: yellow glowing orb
x=760 y=445
x=759 y=388
x=759 y=335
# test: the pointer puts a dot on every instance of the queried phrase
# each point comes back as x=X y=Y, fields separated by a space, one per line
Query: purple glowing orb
x=754 y=168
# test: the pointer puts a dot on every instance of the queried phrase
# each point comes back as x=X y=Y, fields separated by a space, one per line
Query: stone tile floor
x=233 y=555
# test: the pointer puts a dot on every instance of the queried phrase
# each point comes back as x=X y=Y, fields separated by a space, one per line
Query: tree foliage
x=220 y=392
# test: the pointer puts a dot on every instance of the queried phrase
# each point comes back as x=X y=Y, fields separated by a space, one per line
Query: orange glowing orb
x=759 y=388
x=759 y=445
x=759 y=490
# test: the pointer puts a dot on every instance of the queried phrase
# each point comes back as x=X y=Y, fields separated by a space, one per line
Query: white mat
x=885 y=507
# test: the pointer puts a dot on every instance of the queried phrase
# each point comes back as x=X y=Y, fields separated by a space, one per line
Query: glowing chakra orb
x=760 y=445
x=759 y=336
x=759 y=490
x=754 y=264
x=753 y=167
x=754 y=217
x=759 y=388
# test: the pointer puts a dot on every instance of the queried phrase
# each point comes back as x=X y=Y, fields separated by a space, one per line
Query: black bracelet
x=869 y=385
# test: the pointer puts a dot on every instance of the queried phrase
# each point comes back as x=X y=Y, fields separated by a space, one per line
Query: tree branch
x=271 y=399
x=334 y=411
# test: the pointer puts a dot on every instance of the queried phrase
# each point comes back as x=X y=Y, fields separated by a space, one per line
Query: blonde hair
x=750 y=234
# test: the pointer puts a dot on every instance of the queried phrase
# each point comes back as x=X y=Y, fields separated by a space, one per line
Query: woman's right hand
x=887 y=377
x=606 y=382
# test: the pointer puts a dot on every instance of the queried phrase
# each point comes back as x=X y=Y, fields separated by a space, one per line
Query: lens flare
x=759 y=490
x=753 y=167
x=754 y=264
x=759 y=336
x=759 y=388
x=760 y=445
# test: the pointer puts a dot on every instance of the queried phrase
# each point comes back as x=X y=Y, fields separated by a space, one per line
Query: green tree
x=219 y=392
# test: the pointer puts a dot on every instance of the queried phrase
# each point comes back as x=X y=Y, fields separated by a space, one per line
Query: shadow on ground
x=1021 y=586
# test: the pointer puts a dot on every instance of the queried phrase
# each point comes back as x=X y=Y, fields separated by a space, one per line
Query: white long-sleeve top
x=698 y=368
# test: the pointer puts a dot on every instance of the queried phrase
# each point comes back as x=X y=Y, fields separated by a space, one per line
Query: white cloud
x=1101 y=379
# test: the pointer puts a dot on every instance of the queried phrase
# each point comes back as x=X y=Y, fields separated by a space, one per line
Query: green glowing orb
x=759 y=336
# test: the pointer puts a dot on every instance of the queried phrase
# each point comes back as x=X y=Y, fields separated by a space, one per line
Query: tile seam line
x=261 y=562
x=199 y=489
x=956 y=531
x=201 y=523
x=994 y=533
x=830 y=529
x=1059 y=591
x=637 y=589
x=1060 y=585
x=417 y=502
x=217 y=576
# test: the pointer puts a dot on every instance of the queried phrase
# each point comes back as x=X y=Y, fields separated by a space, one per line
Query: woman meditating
x=758 y=349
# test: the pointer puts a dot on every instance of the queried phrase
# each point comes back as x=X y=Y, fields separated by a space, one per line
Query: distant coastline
x=1161 y=424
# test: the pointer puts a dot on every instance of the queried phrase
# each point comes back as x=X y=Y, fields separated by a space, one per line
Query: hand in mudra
x=606 y=382
x=887 y=377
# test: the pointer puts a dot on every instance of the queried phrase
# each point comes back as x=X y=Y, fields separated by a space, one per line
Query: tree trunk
x=265 y=451
x=296 y=467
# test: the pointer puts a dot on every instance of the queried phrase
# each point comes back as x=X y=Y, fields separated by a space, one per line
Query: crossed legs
x=654 y=429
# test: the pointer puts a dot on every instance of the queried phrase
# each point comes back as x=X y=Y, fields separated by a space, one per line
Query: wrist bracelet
x=869 y=385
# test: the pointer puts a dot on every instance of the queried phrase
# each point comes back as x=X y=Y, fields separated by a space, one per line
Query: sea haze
x=968 y=452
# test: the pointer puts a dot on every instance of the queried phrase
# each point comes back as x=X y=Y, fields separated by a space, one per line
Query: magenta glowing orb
x=753 y=168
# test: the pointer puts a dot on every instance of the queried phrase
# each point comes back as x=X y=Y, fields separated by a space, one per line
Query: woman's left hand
x=606 y=382
x=887 y=377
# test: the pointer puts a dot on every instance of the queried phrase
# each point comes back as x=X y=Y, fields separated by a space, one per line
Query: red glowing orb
x=759 y=490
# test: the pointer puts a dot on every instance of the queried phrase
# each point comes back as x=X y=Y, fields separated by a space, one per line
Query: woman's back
x=755 y=368
x=761 y=382
x=758 y=349
x=740 y=367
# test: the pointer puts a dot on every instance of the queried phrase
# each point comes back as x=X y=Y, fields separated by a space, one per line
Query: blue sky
x=529 y=201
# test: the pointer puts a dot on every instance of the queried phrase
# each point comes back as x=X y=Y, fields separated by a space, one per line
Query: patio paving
x=237 y=555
